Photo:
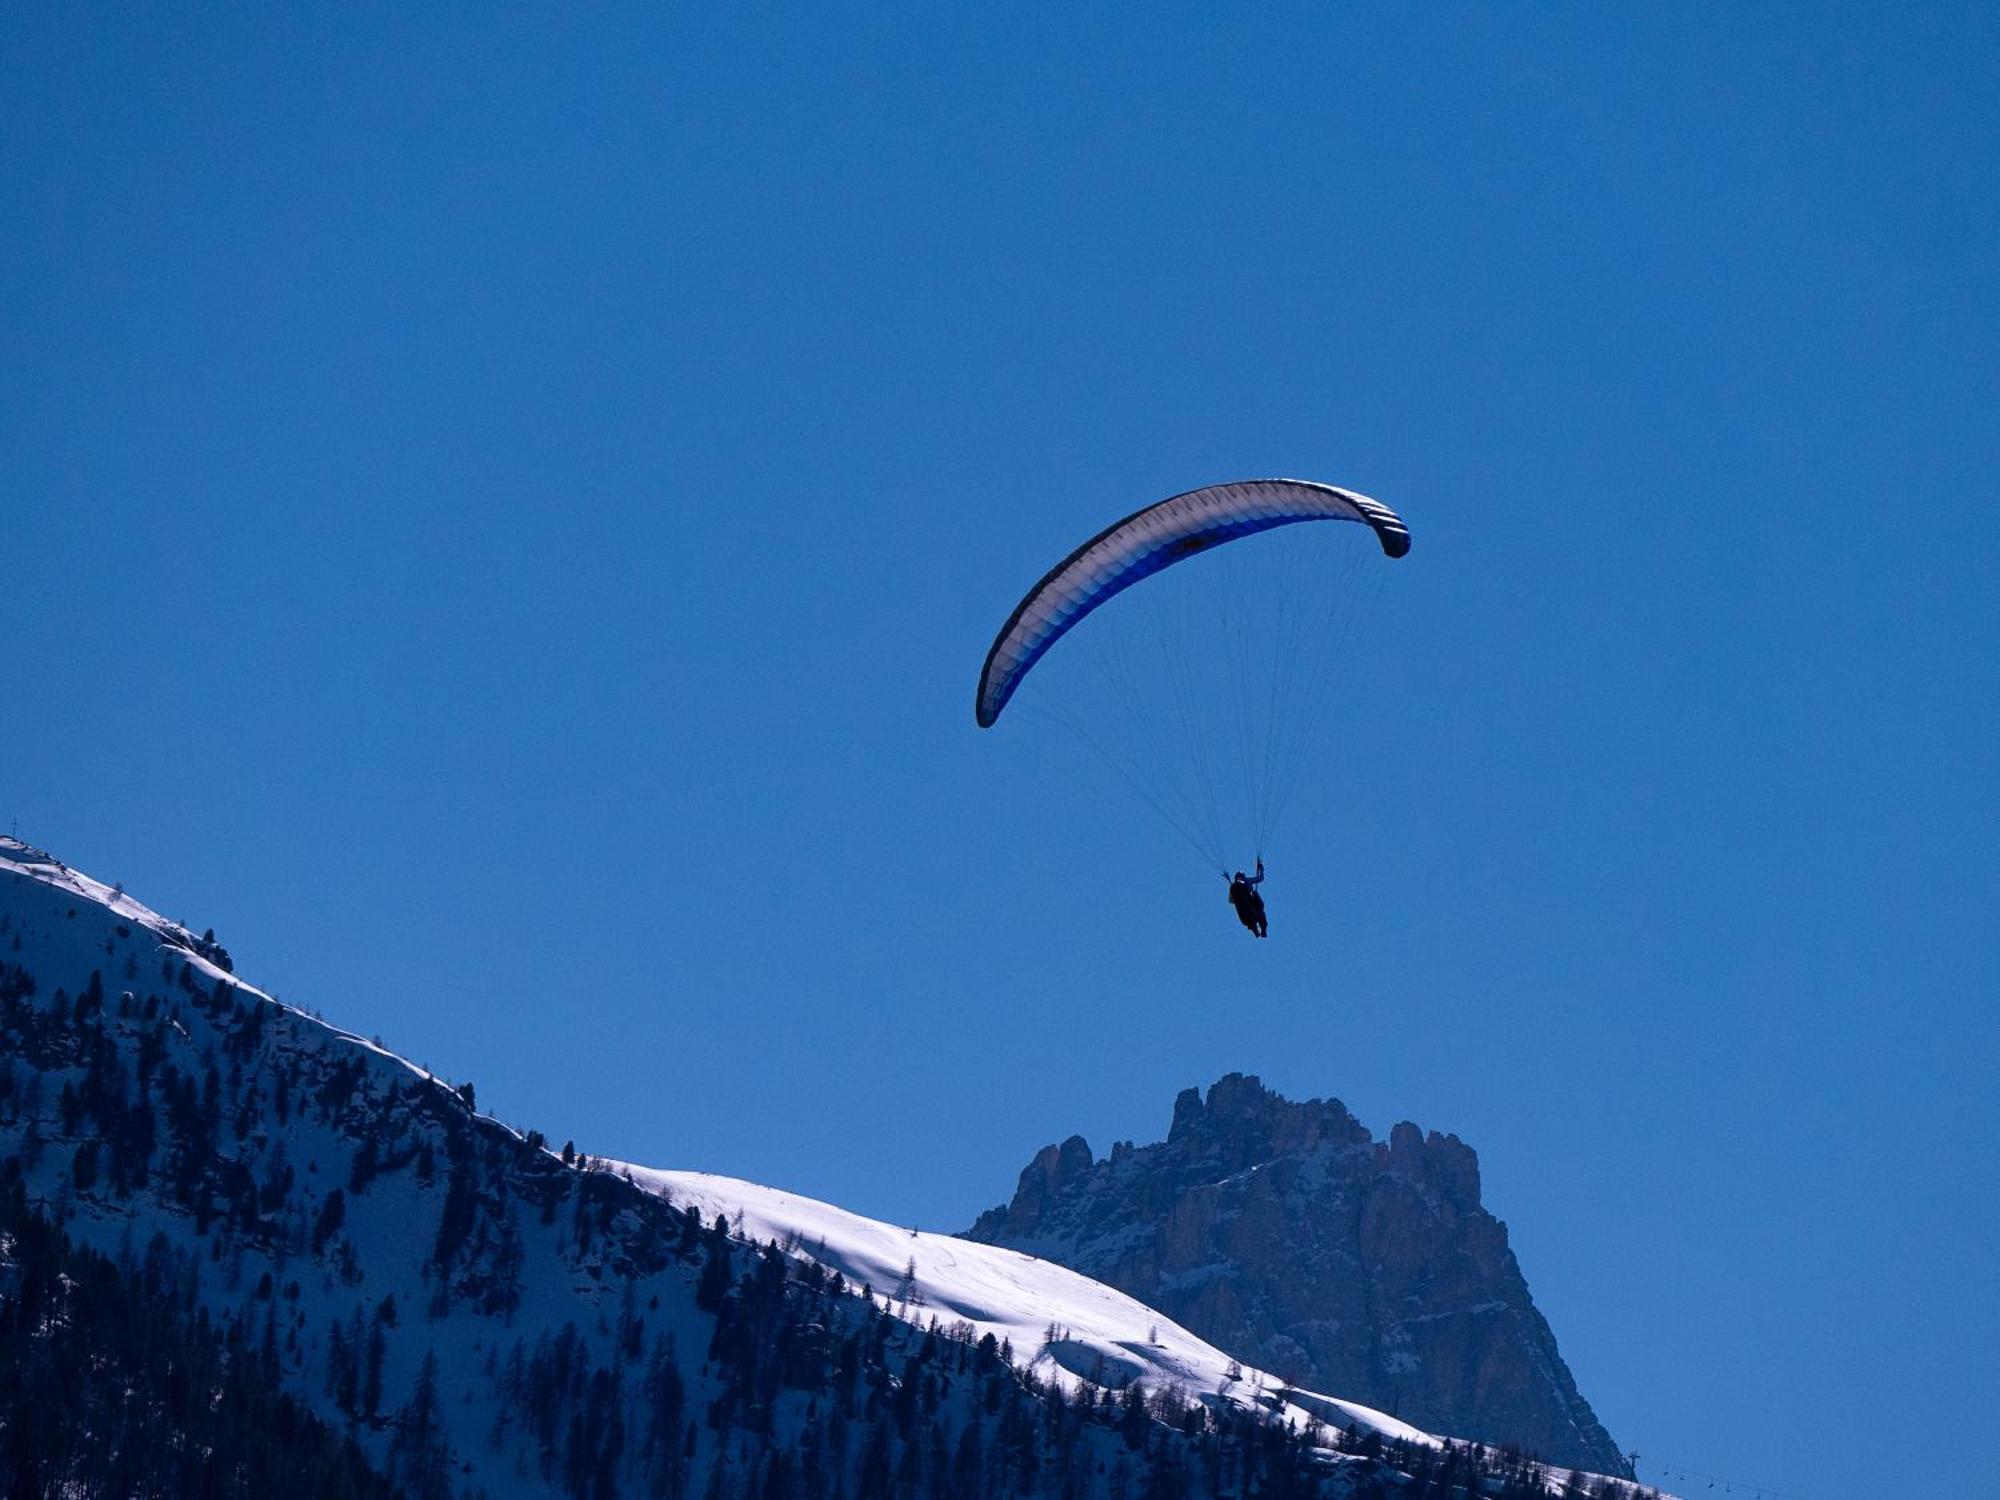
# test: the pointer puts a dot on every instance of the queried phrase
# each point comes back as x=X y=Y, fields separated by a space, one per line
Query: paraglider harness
x=1249 y=905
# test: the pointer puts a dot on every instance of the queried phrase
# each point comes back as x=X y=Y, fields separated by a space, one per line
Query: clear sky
x=501 y=516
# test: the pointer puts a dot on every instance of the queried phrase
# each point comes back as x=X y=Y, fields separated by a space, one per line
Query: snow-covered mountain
x=487 y=1317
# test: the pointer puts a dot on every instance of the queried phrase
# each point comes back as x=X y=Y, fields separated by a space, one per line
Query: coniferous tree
x=371 y=1378
x=332 y=1214
x=418 y=1456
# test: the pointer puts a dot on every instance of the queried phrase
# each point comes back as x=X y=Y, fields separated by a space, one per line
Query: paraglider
x=1240 y=679
x=1249 y=905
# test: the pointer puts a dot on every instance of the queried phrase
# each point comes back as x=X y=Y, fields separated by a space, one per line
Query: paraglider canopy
x=1152 y=539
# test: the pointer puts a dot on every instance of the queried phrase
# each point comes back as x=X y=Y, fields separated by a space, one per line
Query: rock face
x=1287 y=1235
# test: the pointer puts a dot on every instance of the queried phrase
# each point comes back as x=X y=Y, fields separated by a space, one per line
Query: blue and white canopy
x=1158 y=537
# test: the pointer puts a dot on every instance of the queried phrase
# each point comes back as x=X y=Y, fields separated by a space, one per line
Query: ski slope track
x=343 y=1198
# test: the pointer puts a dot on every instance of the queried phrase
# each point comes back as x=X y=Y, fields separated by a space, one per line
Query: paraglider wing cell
x=1158 y=537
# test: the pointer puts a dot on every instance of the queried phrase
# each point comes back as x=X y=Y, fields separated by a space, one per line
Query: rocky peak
x=1242 y=1122
x=1053 y=1170
x=1440 y=1163
x=1285 y=1233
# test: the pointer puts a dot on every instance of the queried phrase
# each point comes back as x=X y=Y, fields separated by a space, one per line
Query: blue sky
x=503 y=515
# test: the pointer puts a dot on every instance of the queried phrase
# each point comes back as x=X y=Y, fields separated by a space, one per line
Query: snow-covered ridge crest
x=39 y=864
x=1100 y=1335
x=207 y=958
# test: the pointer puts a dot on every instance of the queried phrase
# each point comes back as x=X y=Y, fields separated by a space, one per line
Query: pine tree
x=371 y=1380
x=418 y=1455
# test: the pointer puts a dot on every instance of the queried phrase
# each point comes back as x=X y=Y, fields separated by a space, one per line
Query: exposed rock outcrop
x=1286 y=1234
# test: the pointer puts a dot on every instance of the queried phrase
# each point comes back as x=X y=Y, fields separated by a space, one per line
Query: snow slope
x=1101 y=1335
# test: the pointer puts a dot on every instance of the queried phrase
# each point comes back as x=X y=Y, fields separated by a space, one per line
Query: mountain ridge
x=486 y=1317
